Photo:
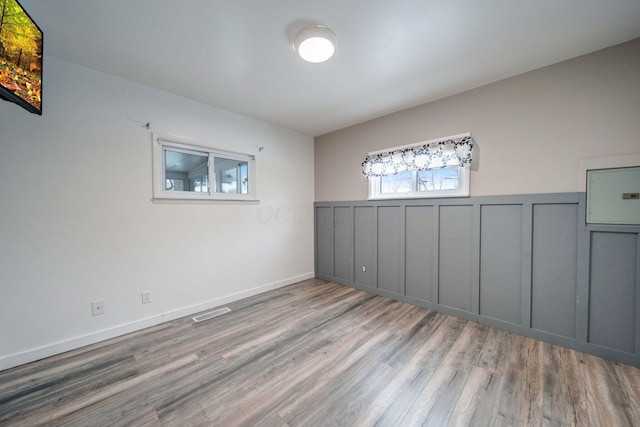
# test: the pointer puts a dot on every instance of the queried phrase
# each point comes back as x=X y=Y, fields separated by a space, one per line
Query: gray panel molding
x=403 y=250
x=324 y=239
x=501 y=262
x=613 y=290
x=390 y=253
x=364 y=249
x=475 y=259
x=343 y=242
x=549 y=198
x=554 y=268
x=435 y=275
x=526 y=264
x=456 y=257
x=551 y=243
x=637 y=352
x=419 y=252
x=583 y=268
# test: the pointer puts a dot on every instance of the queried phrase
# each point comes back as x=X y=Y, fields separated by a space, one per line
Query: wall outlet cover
x=146 y=297
x=97 y=308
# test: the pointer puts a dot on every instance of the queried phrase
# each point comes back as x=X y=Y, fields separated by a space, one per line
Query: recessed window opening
x=437 y=168
x=183 y=171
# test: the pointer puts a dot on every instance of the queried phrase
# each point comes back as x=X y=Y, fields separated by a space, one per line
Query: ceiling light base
x=315 y=43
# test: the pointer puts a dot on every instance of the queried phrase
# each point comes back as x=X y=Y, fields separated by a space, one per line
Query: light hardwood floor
x=315 y=354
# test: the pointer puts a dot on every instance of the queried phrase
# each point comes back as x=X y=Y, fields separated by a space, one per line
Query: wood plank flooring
x=315 y=354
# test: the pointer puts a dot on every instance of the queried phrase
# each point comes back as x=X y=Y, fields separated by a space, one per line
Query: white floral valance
x=435 y=155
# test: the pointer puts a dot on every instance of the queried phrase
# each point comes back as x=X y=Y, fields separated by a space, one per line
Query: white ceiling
x=391 y=55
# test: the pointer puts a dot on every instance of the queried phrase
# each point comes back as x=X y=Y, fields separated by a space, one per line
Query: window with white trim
x=191 y=172
x=436 y=168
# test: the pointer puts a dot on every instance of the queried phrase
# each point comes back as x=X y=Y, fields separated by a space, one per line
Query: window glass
x=186 y=171
x=174 y=185
x=200 y=184
x=399 y=183
x=231 y=176
x=445 y=182
x=438 y=179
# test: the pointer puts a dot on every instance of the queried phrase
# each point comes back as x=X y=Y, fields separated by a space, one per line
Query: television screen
x=20 y=57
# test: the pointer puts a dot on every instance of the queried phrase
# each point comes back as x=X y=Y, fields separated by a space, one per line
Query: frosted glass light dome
x=315 y=43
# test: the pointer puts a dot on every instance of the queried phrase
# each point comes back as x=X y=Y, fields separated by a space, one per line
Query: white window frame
x=375 y=185
x=160 y=144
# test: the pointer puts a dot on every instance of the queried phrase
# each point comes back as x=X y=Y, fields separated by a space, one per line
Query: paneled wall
x=524 y=263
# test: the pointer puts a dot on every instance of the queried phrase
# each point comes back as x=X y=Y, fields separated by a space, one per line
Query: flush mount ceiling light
x=315 y=43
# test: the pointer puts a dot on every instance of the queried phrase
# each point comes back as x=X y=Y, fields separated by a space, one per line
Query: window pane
x=174 y=185
x=398 y=183
x=232 y=176
x=244 y=176
x=186 y=171
x=200 y=184
x=439 y=179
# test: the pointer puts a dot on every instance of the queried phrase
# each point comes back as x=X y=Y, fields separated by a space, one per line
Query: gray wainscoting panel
x=553 y=276
x=324 y=240
x=343 y=242
x=612 y=297
x=419 y=252
x=389 y=245
x=364 y=241
x=501 y=262
x=456 y=252
x=523 y=263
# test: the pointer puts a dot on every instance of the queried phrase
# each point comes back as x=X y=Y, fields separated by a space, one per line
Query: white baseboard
x=48 y=350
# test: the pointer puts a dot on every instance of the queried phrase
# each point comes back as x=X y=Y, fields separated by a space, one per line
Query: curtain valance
x=436 y=155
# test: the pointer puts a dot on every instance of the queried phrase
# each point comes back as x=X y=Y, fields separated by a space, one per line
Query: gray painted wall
x=419 y=261
x=524 y=263
x=364 y=251
x=389 y=257
x=613 y=291
x=554 y=271
x=501 y=262
x=455 y=258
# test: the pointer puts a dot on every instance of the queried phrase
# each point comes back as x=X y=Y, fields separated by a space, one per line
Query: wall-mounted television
x=20 y=57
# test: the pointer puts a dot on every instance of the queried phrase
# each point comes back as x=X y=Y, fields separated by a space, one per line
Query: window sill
x=187 y=200
x=408 y=197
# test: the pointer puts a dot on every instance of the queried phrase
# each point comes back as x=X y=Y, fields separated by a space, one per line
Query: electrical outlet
x=364 y=268
x=97 y=308
x=146 y=297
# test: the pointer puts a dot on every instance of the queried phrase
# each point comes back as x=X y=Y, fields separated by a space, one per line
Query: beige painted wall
x=533 y=131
